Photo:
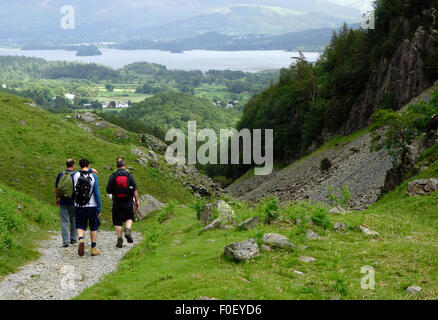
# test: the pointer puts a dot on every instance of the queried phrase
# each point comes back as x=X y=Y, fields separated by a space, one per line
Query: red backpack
x=122 y=190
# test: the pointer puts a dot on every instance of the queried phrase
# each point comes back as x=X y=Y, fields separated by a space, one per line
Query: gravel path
x=60 y=274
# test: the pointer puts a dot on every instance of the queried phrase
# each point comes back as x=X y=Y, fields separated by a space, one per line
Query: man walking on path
x=88 y=206
x=123 y=188
x=64 y=195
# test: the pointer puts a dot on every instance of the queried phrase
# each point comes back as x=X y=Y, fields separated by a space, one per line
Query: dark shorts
x=121 y=214
x=87 y=217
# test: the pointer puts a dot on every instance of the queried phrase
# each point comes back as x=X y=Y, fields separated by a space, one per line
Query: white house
x=4 y=86
x=122 y=105
x=69 y=96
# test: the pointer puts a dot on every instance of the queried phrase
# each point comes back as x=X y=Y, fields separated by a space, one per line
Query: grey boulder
x=148 y=204
x=278 y=241
x=250 y=223
x=423 y=187
x=242 y=251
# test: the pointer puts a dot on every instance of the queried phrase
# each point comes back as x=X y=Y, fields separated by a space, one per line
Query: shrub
x=197 y=205
x=166 y=212
x=321 y=218
x=342 y=200
x=270 y=209
x=325 y=165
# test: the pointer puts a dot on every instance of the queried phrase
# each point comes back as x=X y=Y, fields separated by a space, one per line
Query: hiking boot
x=95 y=251
x=81 y=248
x=65 y=245
x=73 y=242
x=119 y=243
x=128 y=235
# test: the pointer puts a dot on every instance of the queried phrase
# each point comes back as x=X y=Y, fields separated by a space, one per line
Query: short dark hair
x=84 y=163
x=70 y=163
x=120 y=163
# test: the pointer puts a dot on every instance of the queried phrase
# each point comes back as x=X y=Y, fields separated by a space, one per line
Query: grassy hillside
x=176 y=262
x=174 y=110
x=37 y=143
x=23 y=220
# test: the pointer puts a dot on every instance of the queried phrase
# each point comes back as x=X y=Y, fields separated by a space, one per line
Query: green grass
x=23 y=220
x=176 y=261
x=33 y=154
x=121 y=94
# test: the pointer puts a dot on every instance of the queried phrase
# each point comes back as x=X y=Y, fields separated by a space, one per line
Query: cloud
x=160 y=3
x=362 y=5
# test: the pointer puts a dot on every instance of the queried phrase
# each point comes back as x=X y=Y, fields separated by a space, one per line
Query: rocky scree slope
x=352 y=165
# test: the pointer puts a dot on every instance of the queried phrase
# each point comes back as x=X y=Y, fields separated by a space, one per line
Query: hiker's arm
x=56 y=196
x=134 y=185
x=136 y=203
x=109 y=186
x=96 y=191
x=56 y=190
x=94 y=171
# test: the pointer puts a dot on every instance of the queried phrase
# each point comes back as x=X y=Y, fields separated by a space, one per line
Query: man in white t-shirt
x=88 y=206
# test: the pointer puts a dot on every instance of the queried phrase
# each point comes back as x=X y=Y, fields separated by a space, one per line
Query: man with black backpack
x=64 y=195
x=88 y=206
x=123 y=188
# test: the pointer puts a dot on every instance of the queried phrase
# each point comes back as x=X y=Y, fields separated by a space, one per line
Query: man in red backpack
x=123 y=188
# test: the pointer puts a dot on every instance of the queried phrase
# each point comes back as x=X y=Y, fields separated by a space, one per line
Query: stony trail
x=60 y=274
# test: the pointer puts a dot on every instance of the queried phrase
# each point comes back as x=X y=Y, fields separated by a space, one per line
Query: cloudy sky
x=359 y=4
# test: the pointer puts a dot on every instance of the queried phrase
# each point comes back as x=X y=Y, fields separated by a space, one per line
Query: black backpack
x=83 y=190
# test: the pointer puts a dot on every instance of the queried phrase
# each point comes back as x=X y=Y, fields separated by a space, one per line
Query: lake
x=248 y=61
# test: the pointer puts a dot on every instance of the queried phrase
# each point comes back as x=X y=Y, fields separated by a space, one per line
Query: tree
x=109 y=87
x=395 y=131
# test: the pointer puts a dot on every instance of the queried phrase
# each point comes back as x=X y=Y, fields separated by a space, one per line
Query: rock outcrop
x=423 y=187
x=399 y=77
x=220 y=210
x=242 y=251
x=250 y=223
x=148 y=204
x=277 y=241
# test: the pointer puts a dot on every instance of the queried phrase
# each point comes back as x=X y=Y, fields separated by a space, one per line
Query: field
x=175 y=261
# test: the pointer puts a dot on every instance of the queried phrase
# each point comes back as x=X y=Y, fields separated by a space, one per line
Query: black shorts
x=87 y=216
x=121 y=214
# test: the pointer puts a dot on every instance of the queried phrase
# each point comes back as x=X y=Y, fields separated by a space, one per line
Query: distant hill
x=308 y=40
x=248 y=19
x=115 y=21
x=175 y=109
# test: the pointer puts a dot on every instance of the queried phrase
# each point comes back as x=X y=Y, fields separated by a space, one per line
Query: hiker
x=65 y=200
x=123 y=188
x=88 y=206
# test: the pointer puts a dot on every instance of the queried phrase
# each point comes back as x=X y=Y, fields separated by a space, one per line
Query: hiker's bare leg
x=128 y=224
x=93 y=235
x=81 y=233
x=119 y=231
